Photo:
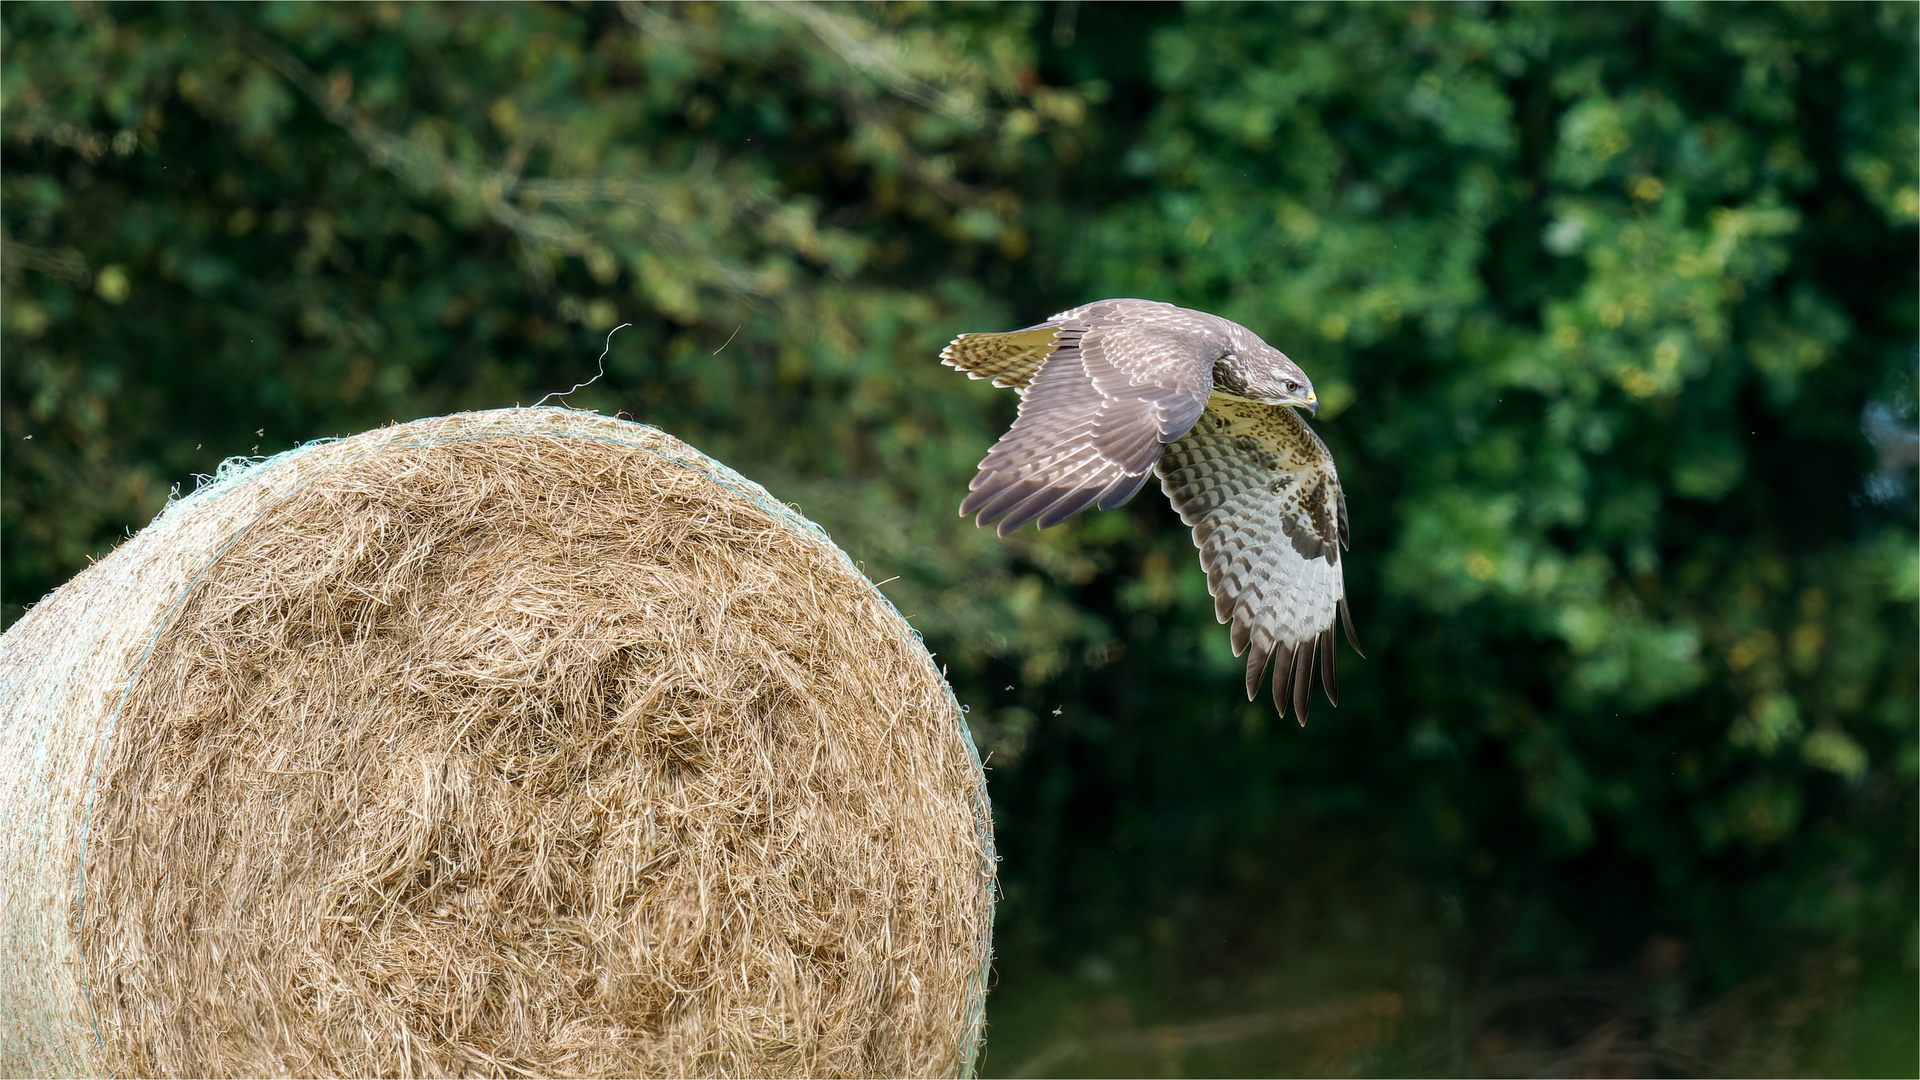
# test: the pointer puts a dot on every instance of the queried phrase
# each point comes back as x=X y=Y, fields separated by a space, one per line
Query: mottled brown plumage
x=1118 y=390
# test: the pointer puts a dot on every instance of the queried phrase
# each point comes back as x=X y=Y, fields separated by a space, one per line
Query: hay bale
x=526 y=741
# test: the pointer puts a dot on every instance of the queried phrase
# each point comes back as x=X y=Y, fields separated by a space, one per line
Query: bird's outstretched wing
x=1116 y=382
x=1260 y=491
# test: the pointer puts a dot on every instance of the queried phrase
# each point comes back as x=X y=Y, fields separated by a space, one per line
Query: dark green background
x=1612 y=310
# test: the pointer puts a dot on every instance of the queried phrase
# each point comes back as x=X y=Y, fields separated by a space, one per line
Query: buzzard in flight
x=1118 y=389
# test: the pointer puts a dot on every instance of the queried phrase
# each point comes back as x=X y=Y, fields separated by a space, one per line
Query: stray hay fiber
x=517 y=742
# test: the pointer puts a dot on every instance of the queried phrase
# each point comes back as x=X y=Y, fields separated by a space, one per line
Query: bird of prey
x=1118 y=389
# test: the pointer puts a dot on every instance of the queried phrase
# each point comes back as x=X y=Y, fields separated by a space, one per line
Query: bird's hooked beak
x=1306 y=399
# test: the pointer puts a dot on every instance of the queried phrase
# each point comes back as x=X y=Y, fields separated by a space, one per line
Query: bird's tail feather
x=1009 y=359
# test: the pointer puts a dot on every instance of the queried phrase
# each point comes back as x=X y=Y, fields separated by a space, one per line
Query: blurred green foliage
x=1613 y=314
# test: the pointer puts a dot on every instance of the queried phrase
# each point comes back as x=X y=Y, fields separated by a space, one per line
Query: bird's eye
x=1292 y=387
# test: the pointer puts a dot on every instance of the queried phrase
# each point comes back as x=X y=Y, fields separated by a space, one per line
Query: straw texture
x=523 y=742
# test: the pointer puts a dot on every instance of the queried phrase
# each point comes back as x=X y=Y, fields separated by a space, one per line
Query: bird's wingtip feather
x=1346 y=623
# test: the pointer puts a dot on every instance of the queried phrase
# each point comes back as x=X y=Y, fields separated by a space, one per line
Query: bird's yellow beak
x=1308 y=401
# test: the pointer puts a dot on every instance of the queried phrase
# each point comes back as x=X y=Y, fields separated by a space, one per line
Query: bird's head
x=1263 y=373
x=1291 y=386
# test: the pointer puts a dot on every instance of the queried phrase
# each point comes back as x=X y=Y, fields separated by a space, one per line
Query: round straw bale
x=516 y=742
